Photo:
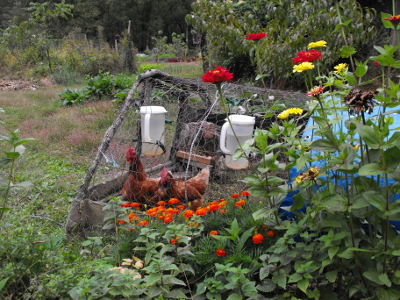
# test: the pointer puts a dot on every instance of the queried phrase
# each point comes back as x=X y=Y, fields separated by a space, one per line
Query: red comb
x=130 y=154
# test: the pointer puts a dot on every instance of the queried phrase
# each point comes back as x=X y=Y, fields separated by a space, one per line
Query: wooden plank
x=194 y=157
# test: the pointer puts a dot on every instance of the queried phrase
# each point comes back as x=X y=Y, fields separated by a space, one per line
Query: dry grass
x=75 y=131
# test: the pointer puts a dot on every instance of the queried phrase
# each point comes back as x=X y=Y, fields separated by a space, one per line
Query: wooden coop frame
x=86 y=212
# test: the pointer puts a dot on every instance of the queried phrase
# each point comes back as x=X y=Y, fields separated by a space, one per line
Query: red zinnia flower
x=218 y=75
x=307 y=56
x=214 y=232
x=271 y=233
x=173 y=241
x=394 y=20
x=134 y=204
x=256 y=36
x=188 y=213
x=121 y=221
x=246 y=193
x=220 y=252
x=258 y=238
x=127 y=204
x=234 y=196
x=315 y=91
x=240 y=203
x=161 y=203
x=143 y=223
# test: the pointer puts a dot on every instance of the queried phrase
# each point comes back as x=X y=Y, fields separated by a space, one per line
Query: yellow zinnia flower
x=283 y=115
x=295 y=111
x=291 y=111
x=317 y=44
x=339 y=68
x=303 y=67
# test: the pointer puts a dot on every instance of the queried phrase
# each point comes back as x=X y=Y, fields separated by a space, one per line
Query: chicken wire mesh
x=189 y=138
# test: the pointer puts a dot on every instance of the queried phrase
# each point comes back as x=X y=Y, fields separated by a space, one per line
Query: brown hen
x=138 y=187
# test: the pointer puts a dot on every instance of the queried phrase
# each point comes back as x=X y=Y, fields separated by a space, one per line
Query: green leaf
x=389 y=294
x=369 y=136
x=334 y=202
x=234 y=296
x=266 y=286
x=375 y=199
x=331 y=275
x=303 y=285
x=332 y=251
x=153 y=278
x=373 y=276
x=347 y=51
x=258 y=191
x=323 y=145
x=3 y=282
x=12 y=155
x=372 y=169
x=385 y=279
x=280 y=280
x=295 y=277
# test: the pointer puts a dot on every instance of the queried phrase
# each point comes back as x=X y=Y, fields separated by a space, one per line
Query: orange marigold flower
x=221 y=200
x=127 y=204
x=173 y=201
x=173 y=241
x=194 y=224
x=257 y=238
x=246 y=193
x=240 y=203
x=213 y=206
x=161 y=203
x=235 y=196
x=271 y=233
x=134 y=204
x=223 y=203
x=264 y=226
x=214 y=232
x=143 y=223
x=188 y=213
x=201 y=211
x=222 y=211
x=168 y=218
x=121 y=221
x=181 y=207
x=161 y=217
x=133 y=216
x=220 y=252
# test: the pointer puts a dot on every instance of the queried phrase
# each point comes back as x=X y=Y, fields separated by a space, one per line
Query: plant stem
x=11 y=176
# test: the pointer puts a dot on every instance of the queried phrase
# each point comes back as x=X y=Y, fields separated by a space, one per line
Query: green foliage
x=289 y=25
x=98 y=87
x=9 y=160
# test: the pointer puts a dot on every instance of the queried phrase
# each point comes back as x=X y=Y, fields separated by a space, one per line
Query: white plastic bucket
x=243 y=127
x=153 y=126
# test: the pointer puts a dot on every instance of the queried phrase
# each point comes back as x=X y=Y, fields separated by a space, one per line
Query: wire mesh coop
x=189 y=139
